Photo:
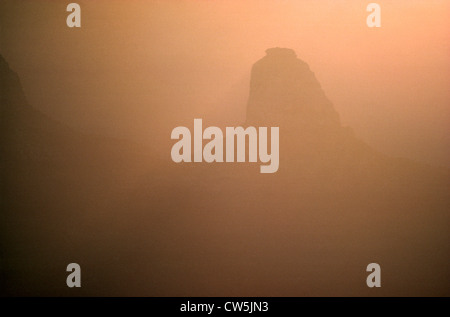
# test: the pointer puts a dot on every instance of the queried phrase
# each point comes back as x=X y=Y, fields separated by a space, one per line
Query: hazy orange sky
x=138 y=64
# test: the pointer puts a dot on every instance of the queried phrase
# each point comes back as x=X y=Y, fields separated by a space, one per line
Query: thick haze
x=136 y=68
x=140 y=224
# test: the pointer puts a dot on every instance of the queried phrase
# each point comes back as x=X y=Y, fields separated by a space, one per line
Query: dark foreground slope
x=138 y=226
x=55 y=184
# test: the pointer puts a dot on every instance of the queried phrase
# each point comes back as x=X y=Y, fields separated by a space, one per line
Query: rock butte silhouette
x=141 y=225
x=284 y=91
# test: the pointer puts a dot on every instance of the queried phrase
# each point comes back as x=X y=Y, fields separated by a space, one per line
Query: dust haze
x=118 y=73
x=86 y=116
